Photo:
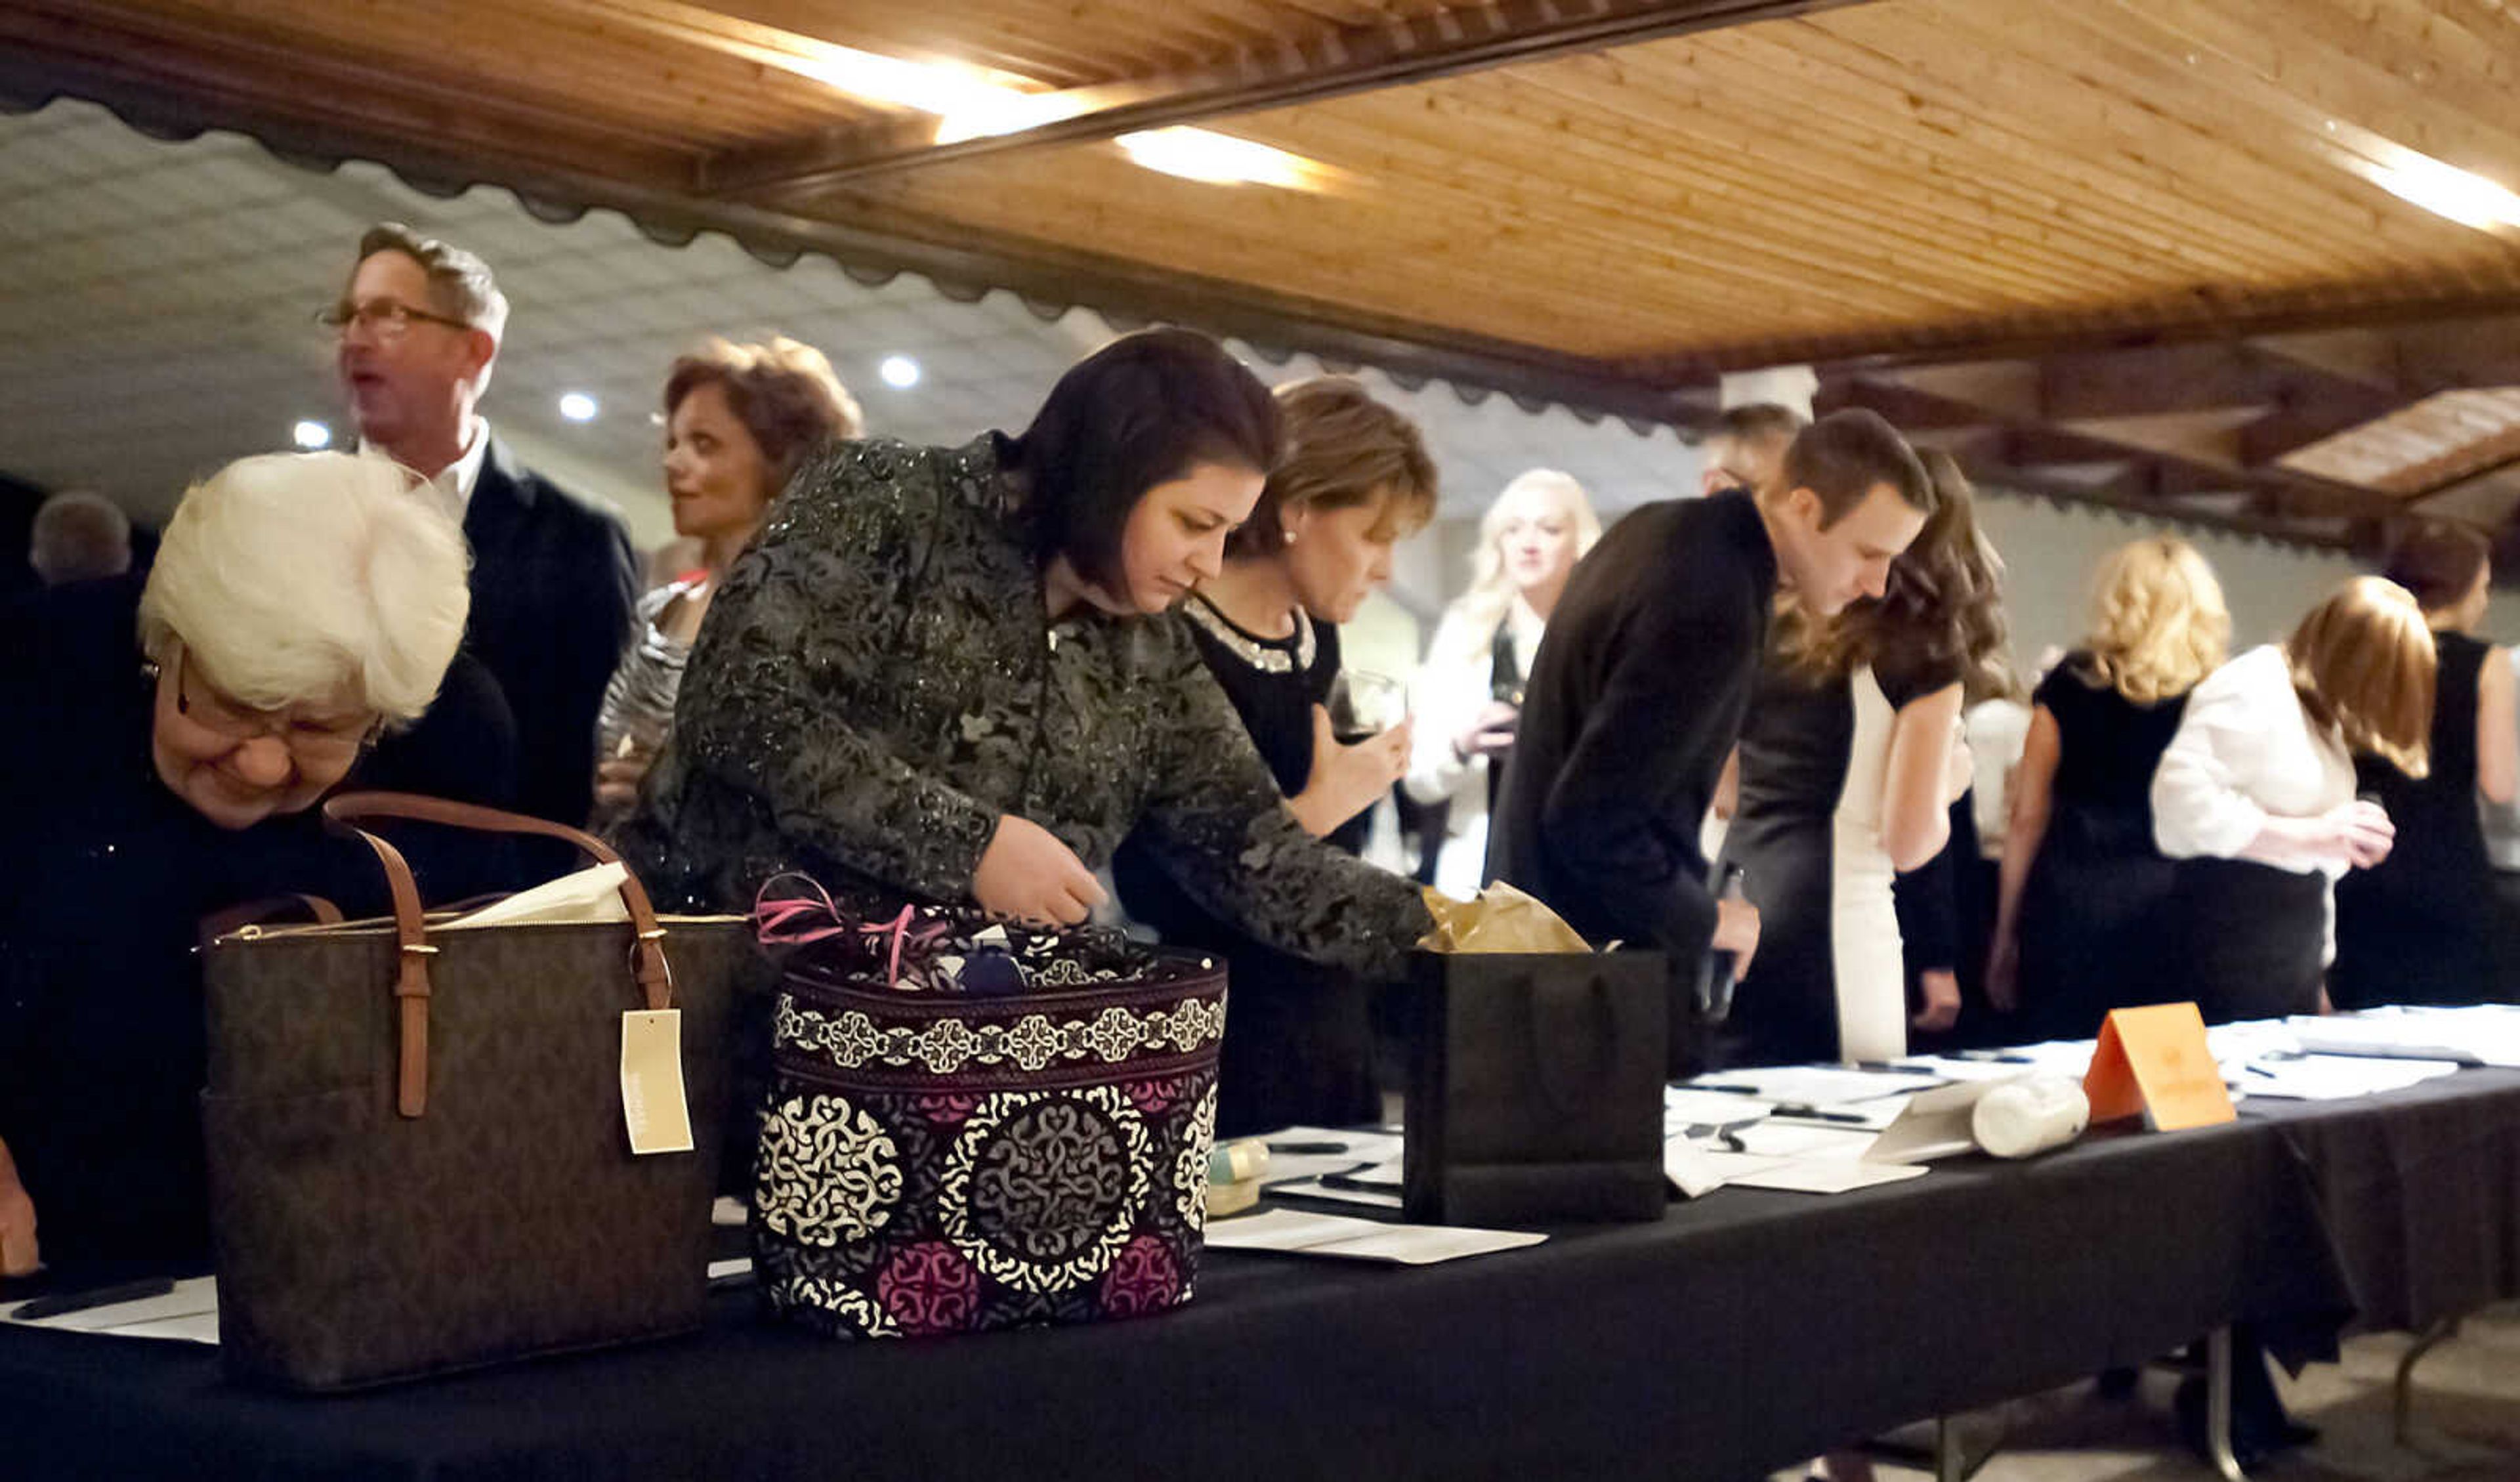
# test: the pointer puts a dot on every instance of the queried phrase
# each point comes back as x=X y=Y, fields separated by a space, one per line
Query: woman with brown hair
x=2084 y=901
x=2256 y=794
x=2417 y=928
x=953 y=675
x=1849 y=765
x=740 y=420
x=1354 y=481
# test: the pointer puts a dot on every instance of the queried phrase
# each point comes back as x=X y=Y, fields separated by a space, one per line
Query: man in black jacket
x=1637 y=693
x=553 y=576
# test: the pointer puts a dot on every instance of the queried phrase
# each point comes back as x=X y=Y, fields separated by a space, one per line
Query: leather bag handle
x=648 y=966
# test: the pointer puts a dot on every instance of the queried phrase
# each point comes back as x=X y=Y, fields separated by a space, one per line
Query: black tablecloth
x=2419 y=1190
x=1740 y=1332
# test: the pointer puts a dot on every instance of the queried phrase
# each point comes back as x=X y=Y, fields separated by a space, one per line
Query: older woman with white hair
x=1468 y=694
x=168 y=746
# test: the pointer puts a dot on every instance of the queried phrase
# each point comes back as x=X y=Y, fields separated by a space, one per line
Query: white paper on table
x=1817 y=1085
x=592 y=894
x=1688 y=1107
x=1827 y=1175
x=1951 y=1068
x=1295 y=1233
x=1696 y=1169
x=2248 y=1039
x=1357 y=1150
x=1315 y=1189
x=196 y=1297
x=2338 y=1077
x=2481 y=1034
x=199 y=1328
x=1805 y=1140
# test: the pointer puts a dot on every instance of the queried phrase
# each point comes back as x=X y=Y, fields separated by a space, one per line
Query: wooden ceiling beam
x=1337 y=62
x=2308 y=413
x=2159 y=480
x=2151 y=383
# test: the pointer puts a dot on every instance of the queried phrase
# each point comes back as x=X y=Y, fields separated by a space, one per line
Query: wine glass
x=1365 y=704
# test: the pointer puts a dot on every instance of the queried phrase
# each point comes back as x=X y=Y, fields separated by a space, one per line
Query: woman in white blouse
x=2256 y=794
x=1468 y=696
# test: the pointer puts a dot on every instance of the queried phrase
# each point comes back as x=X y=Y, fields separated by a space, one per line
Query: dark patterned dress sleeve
x=1214 y=820
x=801 y=640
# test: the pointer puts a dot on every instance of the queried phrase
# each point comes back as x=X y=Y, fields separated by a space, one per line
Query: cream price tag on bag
x=652 y=1102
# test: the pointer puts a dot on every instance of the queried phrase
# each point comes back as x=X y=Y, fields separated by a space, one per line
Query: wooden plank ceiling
x=2152 y=253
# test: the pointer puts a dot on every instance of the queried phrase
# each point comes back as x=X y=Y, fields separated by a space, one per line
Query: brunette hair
x=783 y=392
x=2363 y=662
x=1842 y=457
x=1759 y=432
x=1342 y=449
x=2438 y=562
x=1143 y=409
x=1941 y=612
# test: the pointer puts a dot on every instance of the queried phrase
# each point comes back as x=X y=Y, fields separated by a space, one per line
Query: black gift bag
x=1535 y=1087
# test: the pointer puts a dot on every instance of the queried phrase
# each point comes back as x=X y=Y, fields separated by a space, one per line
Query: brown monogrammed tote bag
x=417 y=1153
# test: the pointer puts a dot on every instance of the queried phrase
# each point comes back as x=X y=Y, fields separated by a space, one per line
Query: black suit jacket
x=554 y=584
x=1636 y=697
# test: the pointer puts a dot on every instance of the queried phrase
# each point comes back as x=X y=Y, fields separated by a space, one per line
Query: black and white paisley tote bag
x=973 y=1125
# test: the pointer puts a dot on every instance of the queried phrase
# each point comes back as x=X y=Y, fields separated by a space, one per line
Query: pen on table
x=1726 y=1088
x=1795 y=1113
x=1354 y=1185
x=1307 y=1148
x=62 y=1304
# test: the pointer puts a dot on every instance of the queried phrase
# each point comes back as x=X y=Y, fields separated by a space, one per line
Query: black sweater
x=1635 y=699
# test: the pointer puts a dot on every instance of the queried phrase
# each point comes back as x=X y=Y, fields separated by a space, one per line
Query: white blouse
x=2245 y=751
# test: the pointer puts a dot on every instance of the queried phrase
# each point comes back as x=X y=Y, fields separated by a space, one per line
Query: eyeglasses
x=381 y=318
x=307 y=739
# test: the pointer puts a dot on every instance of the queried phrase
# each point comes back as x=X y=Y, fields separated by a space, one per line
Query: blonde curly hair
x=2158 y=622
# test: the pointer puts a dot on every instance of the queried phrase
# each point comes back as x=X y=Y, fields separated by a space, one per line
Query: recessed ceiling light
x=1220 y=159
x=2446 y=190
x=899 y=372
x=311 y=435
x=577 y=406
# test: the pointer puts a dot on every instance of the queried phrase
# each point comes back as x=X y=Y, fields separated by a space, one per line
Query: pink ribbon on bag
x=794 y=921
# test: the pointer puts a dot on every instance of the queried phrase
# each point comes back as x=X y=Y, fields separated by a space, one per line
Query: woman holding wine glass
x=1354 y=481
x=1470 y=692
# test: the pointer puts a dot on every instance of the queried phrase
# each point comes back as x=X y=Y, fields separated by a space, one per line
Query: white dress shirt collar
x=453 y=484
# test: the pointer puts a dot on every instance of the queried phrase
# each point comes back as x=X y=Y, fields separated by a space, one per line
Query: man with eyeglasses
x=552 y=577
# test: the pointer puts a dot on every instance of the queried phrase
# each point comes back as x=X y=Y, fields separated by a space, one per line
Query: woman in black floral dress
x=952 y=675
x=1354 y=481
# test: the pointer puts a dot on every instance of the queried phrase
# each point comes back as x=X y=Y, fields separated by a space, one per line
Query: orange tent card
x=2155 y=1060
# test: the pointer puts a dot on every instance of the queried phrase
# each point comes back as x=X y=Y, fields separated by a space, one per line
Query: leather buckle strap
x=648 y=965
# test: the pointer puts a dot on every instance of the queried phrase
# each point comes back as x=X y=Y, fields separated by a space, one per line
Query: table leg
x=2218 y=1406
x=2431 y=1339
x=1950 y=1465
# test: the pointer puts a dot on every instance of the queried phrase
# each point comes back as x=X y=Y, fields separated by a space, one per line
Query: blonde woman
x=1468 y=696
x=2255 y=795
x=2084 y=900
